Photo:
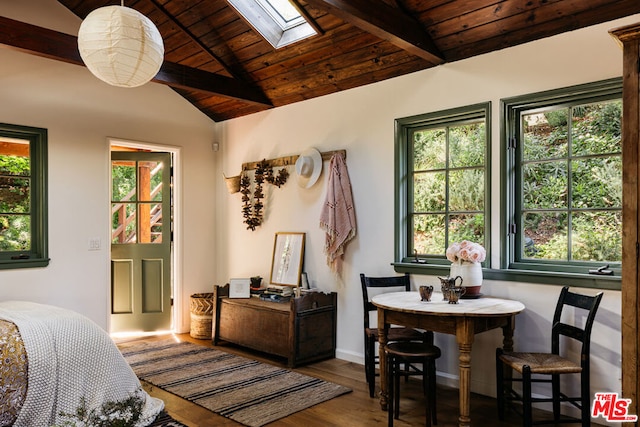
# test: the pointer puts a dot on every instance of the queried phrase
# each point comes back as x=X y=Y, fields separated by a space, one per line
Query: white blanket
x=70 y=358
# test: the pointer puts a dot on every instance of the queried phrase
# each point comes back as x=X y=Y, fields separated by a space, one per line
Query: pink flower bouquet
x=466 y=251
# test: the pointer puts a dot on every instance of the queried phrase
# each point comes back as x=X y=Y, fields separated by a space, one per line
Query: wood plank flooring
x=355 y=409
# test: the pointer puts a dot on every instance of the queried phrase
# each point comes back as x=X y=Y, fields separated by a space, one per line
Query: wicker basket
x=201 y=315
x=233 y=183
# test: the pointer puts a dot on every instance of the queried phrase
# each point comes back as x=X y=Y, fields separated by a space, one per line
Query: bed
x=53 y=361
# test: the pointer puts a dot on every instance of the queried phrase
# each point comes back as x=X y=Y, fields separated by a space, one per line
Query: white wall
x=81 y=113
x=362 y=122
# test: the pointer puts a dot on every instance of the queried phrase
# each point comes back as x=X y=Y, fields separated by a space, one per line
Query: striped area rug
x=244 y=390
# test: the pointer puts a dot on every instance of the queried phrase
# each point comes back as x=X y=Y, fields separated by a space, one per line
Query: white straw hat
x=308 y=167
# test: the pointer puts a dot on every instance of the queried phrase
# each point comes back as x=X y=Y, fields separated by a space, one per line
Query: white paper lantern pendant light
x=120 y=46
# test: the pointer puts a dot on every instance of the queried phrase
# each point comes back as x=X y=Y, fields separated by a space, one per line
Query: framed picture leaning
x=288 y=257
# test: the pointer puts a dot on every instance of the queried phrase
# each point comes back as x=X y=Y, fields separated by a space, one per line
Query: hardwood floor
x=355 y=409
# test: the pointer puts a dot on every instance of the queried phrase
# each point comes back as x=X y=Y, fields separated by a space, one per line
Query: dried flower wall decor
x=252 y=207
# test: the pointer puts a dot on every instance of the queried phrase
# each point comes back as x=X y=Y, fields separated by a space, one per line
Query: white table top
x=410 y=302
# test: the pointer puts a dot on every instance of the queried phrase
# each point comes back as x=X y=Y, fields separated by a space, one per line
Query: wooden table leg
x=507 y=334
x=507 y=345
x=383 y=329
x=464 y=336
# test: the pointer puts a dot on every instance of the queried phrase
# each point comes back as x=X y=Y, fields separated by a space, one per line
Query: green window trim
x=37 y=256
x=404 y=127
x=538 y=270
x=522 y=276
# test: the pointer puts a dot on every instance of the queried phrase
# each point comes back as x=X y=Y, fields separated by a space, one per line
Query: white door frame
x=176 y=252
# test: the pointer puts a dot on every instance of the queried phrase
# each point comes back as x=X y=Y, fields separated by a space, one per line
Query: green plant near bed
x=123 y=413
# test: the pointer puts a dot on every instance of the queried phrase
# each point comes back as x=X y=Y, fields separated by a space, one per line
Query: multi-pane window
x=566 y=179
x=136 y=207
x=23 y=225
x=442 y=165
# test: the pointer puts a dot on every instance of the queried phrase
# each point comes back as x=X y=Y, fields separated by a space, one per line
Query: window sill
x=8 y=264
x=525 y=276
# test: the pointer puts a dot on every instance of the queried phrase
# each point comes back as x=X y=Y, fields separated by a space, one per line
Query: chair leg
x=370 y=365
x=390 y=395
x=585 y=388
x=526 y=397
x=555 y=395
x=500 y=384
x=393 y=390
x=431 y=403
x=396 y=386
x=426 y=390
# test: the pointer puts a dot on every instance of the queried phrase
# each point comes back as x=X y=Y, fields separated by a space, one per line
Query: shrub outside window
x=565 y=179
x=442 y=166
x=23 y=216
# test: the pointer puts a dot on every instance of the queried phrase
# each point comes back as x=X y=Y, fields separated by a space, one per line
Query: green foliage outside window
x=572 y=183
x=448 y=184
x=23 y=197
x=15 y=202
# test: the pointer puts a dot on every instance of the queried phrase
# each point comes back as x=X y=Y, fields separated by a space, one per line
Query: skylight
x=276 y=20
x=282 y=12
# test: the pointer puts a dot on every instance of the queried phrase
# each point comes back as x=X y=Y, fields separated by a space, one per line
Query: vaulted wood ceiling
x=220 y=64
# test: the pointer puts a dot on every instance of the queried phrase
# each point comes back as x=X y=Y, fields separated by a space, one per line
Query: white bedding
x=69 y=358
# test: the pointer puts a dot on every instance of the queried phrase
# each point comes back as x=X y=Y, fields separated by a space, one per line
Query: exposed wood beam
x=307 y=16
x=385 y=22
x=63 y=47
x=182 y=77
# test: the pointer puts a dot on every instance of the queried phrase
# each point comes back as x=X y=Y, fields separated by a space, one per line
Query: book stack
x=276 y=293
x=256 y=292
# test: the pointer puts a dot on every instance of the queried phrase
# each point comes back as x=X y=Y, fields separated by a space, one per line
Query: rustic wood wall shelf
x=290 y=160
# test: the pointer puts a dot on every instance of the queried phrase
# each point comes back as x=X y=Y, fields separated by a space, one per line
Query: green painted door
x=140 y=241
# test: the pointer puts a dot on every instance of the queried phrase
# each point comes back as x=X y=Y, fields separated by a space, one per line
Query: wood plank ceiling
x=220 y=64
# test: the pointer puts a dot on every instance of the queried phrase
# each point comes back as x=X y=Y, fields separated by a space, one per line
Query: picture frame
x=239 y=288
x=287 y=260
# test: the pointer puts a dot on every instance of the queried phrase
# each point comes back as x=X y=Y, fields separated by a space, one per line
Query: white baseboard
x=350 y=356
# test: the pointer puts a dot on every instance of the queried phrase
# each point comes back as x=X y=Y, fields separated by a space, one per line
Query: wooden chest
x=302 y=330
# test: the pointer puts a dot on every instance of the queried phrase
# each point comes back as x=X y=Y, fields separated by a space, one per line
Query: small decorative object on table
x=465 y=260
x=447 y=284
x=425 y=293
x=455 y=293
x=256 y=282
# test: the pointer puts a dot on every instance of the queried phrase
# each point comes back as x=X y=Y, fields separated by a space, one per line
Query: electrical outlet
x=95 y=244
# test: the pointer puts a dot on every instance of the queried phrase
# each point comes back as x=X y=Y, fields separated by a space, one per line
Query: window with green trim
x=564 y=174
x=442 y=174
x=23 y=197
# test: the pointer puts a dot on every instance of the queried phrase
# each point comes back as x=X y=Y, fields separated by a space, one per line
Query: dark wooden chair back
x=383 y=284
x=581 y=334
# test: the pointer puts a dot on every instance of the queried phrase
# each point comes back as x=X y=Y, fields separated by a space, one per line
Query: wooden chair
x=408 y=353
x=381 y=285
x=541 y=365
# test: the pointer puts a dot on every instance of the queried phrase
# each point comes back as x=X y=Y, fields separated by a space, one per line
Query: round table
x=464 y=320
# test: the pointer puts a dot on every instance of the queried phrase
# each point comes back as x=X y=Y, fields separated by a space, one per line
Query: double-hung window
x=23 y=197
x=442 y=191
x=563 y=174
